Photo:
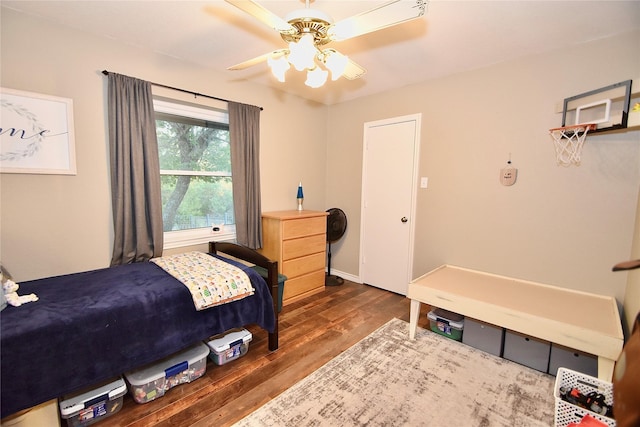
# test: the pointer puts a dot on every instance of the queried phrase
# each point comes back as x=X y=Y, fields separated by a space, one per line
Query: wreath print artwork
x=36 y=133
x=36 y=129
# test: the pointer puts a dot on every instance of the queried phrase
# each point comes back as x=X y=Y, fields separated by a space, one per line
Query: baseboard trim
x=345 y=276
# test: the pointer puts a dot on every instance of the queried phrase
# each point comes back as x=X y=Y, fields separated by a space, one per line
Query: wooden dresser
x=298 y=241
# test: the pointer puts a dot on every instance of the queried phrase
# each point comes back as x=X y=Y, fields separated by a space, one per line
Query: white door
x=389 y=183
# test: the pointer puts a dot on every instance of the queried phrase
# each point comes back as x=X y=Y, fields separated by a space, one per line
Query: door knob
x=404 y=219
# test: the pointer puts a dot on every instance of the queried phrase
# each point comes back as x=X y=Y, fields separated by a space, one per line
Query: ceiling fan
x=308 y=31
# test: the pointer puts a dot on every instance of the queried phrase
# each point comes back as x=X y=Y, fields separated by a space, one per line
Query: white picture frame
x=36 y=133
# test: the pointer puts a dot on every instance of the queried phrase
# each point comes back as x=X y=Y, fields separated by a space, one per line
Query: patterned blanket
x=211 y=281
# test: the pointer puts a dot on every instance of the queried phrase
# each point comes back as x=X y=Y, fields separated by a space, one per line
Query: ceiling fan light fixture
x=279 y=67
x=335 y=62
x=302 y=53
x=308 y=14
x=307 y=30
x=316 y=77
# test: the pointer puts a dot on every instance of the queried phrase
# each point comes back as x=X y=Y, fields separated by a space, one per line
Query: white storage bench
x=577 y=320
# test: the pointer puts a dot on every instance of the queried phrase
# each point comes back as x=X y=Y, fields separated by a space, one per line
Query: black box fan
x=336 y=226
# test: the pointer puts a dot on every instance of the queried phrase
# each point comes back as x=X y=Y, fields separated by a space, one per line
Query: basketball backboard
x=607 y=107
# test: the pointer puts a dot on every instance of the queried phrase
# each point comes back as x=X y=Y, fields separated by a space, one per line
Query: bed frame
x=253 y=257
x=91 y=326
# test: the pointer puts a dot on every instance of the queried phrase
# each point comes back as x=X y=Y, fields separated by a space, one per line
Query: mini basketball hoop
x=568 y=142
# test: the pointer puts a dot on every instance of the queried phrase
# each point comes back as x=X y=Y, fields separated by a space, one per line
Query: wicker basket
x=567 y=413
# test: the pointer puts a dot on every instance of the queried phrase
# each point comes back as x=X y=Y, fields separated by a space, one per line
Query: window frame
x=217 y=114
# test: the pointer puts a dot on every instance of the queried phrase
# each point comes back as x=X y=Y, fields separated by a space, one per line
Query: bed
x=90 y=326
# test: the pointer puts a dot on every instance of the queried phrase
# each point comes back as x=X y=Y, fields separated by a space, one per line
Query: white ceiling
x=452 y=37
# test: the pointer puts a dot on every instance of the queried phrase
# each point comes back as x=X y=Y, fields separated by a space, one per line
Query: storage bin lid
x=109 y=390
x=225 y=341
x=168 y=366
x=453 y=319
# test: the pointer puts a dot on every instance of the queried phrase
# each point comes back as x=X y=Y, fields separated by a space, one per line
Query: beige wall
x=560 y=225
x=632 y=296
x=61 y=224
x=564 y=226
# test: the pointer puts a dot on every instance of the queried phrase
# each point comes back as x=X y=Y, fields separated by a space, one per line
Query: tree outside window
x=195 y=169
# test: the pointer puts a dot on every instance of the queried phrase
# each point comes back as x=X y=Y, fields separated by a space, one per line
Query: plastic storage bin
x=446 y=323
x=95 y=404
x=567 y=413
x=483 y=336
x=281 y=280
x=572 y=359
x=154 y=380
x=526 y=350
x=229 y=345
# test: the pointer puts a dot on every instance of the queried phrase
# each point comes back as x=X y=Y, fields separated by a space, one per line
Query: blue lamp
x=300 y=196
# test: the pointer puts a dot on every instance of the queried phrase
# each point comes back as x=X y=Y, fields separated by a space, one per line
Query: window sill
x=195 y=237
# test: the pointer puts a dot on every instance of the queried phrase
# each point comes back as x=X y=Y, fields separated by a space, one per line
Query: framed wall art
x=36 y=133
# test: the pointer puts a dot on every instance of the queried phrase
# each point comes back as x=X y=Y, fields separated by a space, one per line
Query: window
x=195 y=173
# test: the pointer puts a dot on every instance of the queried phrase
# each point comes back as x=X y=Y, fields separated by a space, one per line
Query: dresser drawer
x=303 y=265
x=301 y=284
x=303 y=246
x=294 y=228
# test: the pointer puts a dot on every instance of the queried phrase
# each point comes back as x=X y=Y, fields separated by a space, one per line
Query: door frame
x=417 y=117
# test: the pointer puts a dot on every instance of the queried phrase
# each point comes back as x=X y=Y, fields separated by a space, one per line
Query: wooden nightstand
x=297 y=240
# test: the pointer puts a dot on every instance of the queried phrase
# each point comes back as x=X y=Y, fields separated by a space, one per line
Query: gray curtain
x=244 y=131
x=135 y=171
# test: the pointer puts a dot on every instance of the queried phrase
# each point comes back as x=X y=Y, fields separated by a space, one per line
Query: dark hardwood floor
x=312 y=332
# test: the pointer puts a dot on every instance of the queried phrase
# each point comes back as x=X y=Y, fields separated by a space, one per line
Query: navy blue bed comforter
x=90 y=326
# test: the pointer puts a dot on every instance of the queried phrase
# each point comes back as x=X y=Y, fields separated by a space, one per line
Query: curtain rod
x=106 y=73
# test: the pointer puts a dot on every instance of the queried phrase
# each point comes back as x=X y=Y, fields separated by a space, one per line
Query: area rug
x=387 y=380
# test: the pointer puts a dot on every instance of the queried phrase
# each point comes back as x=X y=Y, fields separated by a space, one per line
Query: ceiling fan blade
x=263 y=15
x=389 y=14
x=353 y=71
x=255 y=61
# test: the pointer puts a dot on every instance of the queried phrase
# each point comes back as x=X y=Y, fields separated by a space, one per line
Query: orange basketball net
x=568 y=141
